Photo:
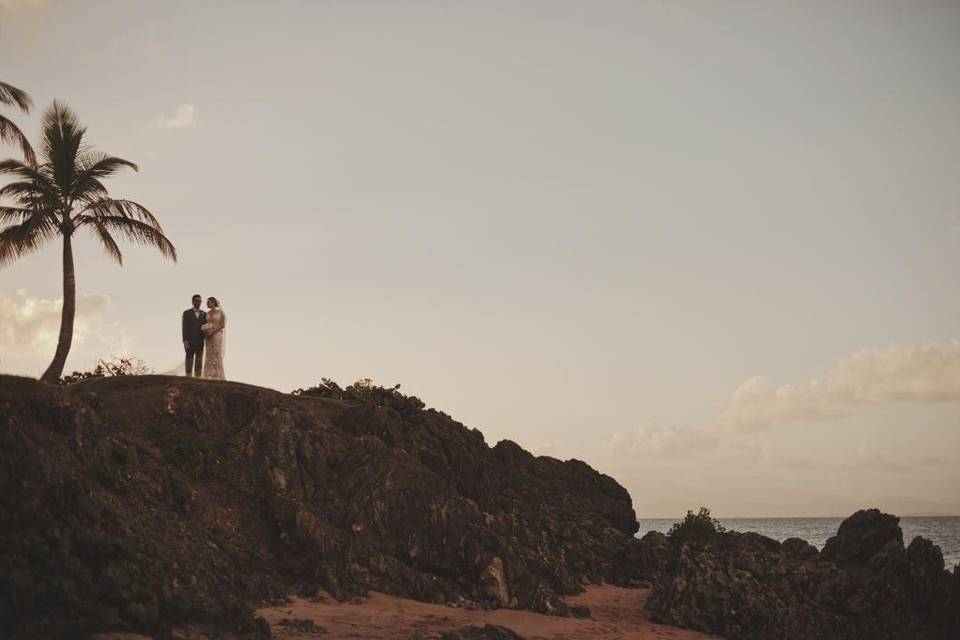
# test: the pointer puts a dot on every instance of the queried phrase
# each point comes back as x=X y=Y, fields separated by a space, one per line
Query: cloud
x=183 y=116
x=869 y=377
x=656 y=439
x=31 y=326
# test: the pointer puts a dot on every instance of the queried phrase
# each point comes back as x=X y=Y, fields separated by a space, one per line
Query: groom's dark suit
x=193 y=319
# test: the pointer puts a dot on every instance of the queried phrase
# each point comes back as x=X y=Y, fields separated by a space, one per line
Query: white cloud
x=183 y=116
x=29 y=328
x=868 y=377
x=32 y=325
x=656 y=439
x=650 y=440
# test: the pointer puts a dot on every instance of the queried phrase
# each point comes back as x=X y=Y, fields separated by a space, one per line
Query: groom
x=193 y=319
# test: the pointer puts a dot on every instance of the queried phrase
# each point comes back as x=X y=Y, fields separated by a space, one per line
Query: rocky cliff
x=141 y=502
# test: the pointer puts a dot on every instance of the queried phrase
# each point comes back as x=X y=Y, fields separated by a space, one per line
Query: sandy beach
x=616 y=614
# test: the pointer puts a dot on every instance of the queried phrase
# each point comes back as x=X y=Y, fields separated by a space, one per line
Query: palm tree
x=62 y=195
x=9 y=132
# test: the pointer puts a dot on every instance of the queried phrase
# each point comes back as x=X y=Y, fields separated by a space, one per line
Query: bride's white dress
x=213 y=331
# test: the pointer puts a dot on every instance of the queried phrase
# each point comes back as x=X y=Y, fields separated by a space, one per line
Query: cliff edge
x=141 y=502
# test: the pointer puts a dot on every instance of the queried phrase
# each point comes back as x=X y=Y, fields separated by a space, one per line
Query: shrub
x=695 y=528
x=326 y=389
x=115 y=366
x=364 y=390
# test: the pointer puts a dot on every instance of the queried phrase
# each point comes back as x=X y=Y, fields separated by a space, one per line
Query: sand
x=616 y=613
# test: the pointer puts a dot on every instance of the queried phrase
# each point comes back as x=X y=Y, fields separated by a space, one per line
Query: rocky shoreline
x=147 y=503
x=864 y=584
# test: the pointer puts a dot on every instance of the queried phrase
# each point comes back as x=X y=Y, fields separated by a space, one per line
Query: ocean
x=942 y=531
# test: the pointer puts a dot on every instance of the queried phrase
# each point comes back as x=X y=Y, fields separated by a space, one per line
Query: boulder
x=641 y=560
x=865 y=540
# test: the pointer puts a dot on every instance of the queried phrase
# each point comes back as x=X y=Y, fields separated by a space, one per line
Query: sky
x=711 y=248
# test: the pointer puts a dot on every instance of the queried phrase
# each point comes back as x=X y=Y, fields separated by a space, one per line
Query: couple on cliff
x=203 y=332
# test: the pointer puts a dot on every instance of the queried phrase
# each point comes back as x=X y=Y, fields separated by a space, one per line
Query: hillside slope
x=141 y=502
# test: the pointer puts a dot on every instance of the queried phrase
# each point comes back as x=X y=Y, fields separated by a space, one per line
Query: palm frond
x=29 y=197
x=94 y=190
x=94 y=166
x=25 y=171
x=135 y=231
x=11 y=134
x=33 y=192
x=21 y=239
x=127 y=209
x=20 y=189
x=106 y=240
x=42 y=221
x=13 y=215
x=10 y=95
x=62 y=143
x=66 y=192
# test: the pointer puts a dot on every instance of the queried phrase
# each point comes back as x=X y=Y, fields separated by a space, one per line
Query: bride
x=213 y=340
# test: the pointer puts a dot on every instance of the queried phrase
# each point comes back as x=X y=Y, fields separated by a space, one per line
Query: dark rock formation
x=863 y=585
x=865 y=537
x=140 y=502
x=642 y=560
x=486 y=632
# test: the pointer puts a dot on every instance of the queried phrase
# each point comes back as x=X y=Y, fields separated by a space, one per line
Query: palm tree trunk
x=55 y=370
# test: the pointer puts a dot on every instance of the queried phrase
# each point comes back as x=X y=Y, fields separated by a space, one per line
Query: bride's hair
x=216 y=303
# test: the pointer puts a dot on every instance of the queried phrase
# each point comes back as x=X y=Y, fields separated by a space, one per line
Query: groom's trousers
x=194 y=360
